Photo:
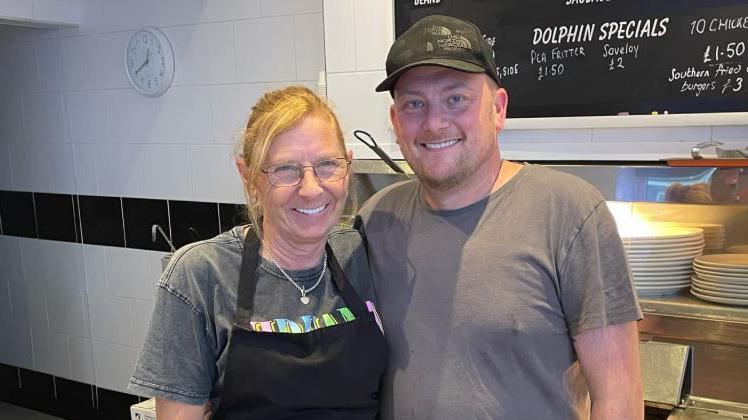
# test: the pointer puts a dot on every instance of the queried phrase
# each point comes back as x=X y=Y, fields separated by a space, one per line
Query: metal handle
x=157 y=229
x=378 y=150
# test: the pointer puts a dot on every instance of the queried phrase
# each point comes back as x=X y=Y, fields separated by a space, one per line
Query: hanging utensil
x=157 y=229
x=360 y=134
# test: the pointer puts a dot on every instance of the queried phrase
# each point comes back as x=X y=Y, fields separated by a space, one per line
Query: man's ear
x=500 y=101
x=394 y=122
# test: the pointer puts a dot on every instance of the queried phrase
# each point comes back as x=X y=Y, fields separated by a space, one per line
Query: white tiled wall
x=213 y=170
x=369 y=115
x=228 y=103
x=68 y=87
x=64 y=304
x=357 y=37
x=355 y=65
x=271 y=38
x=70 y=123
x=113 y=364
x=6 y=177
x=11 y=116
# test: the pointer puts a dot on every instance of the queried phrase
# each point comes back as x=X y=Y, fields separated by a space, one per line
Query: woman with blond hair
x=274 y=319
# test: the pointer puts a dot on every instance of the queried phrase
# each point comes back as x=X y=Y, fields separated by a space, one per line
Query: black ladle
x=375 y=147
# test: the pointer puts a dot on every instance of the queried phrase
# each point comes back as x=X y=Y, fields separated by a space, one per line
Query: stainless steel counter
x=684 y=304
x=718 y=335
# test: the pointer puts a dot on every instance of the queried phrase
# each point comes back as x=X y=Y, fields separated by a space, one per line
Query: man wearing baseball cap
x=504 y=288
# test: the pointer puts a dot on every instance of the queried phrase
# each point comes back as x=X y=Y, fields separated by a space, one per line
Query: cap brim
x=389 y=83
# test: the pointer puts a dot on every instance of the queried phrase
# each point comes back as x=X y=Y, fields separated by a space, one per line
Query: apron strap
x=351 y=298
x=247 y=282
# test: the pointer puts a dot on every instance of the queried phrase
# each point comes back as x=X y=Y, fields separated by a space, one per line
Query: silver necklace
x=304 y=297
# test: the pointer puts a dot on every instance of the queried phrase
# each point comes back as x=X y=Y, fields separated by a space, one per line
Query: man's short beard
x=443 y=184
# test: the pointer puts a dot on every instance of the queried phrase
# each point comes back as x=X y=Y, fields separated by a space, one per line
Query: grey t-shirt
x=480 y=303
x=185 y=351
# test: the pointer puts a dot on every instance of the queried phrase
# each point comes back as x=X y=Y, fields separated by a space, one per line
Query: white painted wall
x=358 y=34
x=70 y=123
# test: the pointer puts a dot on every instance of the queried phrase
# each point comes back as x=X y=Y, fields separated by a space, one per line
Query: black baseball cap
x=439 y=41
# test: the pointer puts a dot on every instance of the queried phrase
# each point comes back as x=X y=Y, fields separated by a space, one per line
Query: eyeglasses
x=289 y=174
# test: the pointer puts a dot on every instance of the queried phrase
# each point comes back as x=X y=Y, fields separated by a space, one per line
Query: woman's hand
x=175 y=410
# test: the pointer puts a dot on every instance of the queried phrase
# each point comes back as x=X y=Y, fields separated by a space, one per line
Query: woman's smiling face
x=303 y=213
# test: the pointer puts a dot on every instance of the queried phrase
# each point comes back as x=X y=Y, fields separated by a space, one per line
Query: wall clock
x=149 y=62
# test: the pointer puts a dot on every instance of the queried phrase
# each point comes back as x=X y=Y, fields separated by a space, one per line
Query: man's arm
x=609 y=357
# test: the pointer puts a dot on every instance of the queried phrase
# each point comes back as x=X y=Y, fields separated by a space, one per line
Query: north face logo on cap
x=437 y=30
x=445 y=39
x=454 y=43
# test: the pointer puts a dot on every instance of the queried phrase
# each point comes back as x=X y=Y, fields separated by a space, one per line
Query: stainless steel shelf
x=686 y=305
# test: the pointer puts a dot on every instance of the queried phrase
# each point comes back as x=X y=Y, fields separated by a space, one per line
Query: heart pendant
x=305 y=300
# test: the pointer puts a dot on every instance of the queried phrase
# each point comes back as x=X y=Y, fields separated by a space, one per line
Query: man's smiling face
x=446 y=122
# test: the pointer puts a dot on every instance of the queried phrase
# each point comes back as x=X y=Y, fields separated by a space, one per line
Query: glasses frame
x=266 y=171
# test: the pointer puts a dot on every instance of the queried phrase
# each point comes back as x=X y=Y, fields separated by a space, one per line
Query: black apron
x=328 y=373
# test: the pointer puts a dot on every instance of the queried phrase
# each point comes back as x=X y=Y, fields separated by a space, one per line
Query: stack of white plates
x=661 y=259
x=714 y=234
x=721 y=278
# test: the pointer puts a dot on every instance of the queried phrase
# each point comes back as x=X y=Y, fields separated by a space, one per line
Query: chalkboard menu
x=561 y=58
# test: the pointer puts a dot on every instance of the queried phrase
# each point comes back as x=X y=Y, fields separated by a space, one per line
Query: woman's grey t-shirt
x=185 y=352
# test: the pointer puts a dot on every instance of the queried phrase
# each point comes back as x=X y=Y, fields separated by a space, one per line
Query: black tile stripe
x=77 y=217
x=74 y=399
x=169 y=231
x=114 y=405
x=18 y=217
x=37 y=391
x=140 y=216
x=193 y=221
x=36 y=221
x=10 y=385
x=55 y=218
x=122 y=220
x=113 y=221
x=231 y=215
x=101 y=220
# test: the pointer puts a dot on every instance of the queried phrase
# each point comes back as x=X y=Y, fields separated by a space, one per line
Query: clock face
x=149 y=62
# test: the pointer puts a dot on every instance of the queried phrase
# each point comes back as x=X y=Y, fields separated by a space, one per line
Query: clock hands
x=147 y=58
x=149 y=62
